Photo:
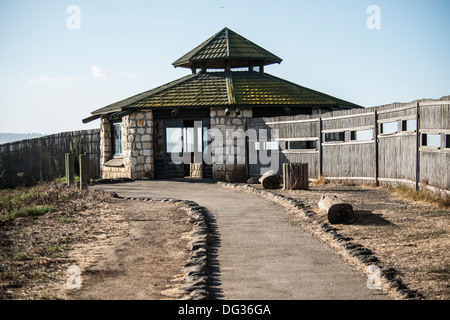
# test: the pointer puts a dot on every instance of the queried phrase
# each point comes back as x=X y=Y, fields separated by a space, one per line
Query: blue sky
x=51 y=77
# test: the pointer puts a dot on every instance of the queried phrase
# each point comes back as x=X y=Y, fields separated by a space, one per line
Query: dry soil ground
x=117 y=244
x=123 y=249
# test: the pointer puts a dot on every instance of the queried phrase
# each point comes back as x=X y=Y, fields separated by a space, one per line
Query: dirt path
x=109 y=248
x=147 y=262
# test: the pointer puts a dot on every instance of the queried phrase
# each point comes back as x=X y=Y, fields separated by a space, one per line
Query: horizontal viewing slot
x=266 y=145
x=409 y=125
x=389 y=127
x=335 y=136
x=296 y=145
x=431 y=140
x=362 y=135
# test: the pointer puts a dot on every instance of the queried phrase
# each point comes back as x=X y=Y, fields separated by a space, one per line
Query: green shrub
x=65 y=219
x=29 y=211
x=22 y=257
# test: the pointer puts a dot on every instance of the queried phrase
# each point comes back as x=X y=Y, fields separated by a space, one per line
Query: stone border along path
x=364 y=255
x=196 y=269
x=260 y=255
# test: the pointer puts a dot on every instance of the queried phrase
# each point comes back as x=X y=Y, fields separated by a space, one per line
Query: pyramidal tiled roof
x=224 y=89
x=226 y=45
x=227 y=88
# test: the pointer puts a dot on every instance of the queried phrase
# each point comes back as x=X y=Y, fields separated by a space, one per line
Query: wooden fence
x=400 y=142
x=43 y=159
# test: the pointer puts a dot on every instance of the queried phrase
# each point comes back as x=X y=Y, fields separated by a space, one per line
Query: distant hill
x=12 y=137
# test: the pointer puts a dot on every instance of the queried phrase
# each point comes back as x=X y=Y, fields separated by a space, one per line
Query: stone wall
x=229 y=164
x=137 y=137
x=138 y=144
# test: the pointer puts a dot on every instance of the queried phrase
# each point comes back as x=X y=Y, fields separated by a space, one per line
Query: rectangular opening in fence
x=298 y=145
x=431 y=140
x=409 y=125
x=335 y=136
x=362 y=135
x=447 y=141
x=266 y=145
x=389 y=127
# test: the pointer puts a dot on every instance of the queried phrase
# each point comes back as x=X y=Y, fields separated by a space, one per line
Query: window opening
x=361 y=135
x=295 y=145
x=118 y=145
x=334 y=136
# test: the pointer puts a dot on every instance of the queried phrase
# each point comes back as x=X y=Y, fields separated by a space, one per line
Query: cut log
x=337 y=210
x=196 y=170
x=270 y=180
x=295 y=176
x=253 y=181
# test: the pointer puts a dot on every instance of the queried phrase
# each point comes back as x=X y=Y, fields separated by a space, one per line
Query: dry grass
x=125 y=249
x=440 y=199
x=36 y=246
x=320 y=182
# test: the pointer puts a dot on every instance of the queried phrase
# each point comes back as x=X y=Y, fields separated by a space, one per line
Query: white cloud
x=100 y=73
x=53 y=80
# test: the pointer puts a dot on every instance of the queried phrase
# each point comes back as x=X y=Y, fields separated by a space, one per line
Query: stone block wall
x=137 y=138
x=229 y=164
x=138 y=144
x=137 y=161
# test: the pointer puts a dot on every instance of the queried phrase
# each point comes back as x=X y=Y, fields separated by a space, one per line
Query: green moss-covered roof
x=226 y=49
x=226 y=46
x=224 y=89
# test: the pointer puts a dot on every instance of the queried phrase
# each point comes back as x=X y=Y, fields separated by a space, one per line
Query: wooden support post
x=203 y=67
x=295 y=176
x=417 y=146
x=375 y=139
x=84 y=171
x=70 y=170
x=320 y=150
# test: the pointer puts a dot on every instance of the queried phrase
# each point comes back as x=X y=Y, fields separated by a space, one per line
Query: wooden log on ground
x=270 y=180
x=253 y=181
x=337 y=210
x=295 y=176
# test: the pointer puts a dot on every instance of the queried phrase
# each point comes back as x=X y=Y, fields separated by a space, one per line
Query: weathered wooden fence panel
x=43 y=159
x=400 y=142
